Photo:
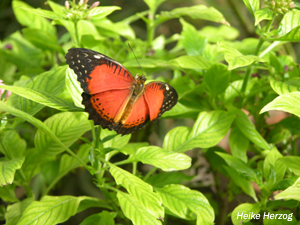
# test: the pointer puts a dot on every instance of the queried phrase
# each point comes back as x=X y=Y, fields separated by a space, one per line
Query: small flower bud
x=273 y=4
x=81 y=2
x=67 y=4
x=95 y=4
x=280 y=11
x=7 y=95
x=292 y=5
x=1 y=90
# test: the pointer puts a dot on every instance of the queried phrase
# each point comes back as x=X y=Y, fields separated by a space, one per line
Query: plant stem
x=244 y=86
x=149 y=173
x=249 y=69
x=76 y=33
x=134 y=164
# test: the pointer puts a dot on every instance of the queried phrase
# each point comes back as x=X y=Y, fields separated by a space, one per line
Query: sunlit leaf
x=263 y=14
x=8 y=169
x=15 y=211
x=50 y=210
x=100 y=12
x=252 y=5
x=285 y=87
x=243 y=209
x=142 y=191
x=289 y=29
x=208 y=130
x=235 y=59
x=165 y=160
x=135 y=211
x=288 y=102
x=195 y=12
x=248 y=128
x=183 y=202
x=291 y=192
x=292 y=162
x=67 y=126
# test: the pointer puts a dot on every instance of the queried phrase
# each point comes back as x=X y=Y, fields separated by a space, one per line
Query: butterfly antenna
x=136 y=59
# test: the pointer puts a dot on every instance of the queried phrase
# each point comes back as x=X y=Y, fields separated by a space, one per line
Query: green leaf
x=42 y=39
x=118 y=142
x=51 y=82
x=272 y=165
x=208 y=130
x=29 y=19
x=50 y=210
x=195 y=12
x=183 y=85
x=131 y=148
x=239 y=144
x=100 y=12
x=11 y=145
x=162 y=179
x=122 y=28
x=8 y=169
x=135 y=210
x=7 y=193
x=37 y=123
x=238 y=214
x=291 y=162
x=153 y=4
x=252 y=5
x=15 y=211
x=217 y=79
x=67 y=126
x=284 y=87
x=57 y=8
x=183 y=202
x=23 y=54
x=286 y=102
x=263 y=14
x=215 y=34
x=289 y=29
x=68 y=163
x=103 y=218
x=240 y=181
x=240 y=166
x=248 y=129
x=193 y=43
x=44 y=13
x=235 y=59
x=140 y=190
x=73 y=87
x=190 y=62
x=158 y=157
x=291 y=192
x=42 y=98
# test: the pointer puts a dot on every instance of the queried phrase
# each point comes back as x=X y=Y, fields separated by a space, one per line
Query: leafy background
x=178 y=169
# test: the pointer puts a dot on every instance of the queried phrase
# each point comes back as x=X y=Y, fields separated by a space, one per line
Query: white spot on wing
x=167 y=87
x=97 y=56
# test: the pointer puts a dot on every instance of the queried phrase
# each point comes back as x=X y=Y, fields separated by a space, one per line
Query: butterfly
x=115 y=99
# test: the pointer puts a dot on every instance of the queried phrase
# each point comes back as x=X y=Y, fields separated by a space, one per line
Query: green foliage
x=225 y=85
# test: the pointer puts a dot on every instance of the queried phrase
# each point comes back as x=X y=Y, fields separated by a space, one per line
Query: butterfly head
x=139 y=84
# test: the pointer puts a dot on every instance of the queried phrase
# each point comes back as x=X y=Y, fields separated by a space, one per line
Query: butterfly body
x=115 y=99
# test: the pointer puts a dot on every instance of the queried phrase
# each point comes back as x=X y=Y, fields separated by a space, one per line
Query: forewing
x=97 y=72
x=160 y=97
x=106 y=106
